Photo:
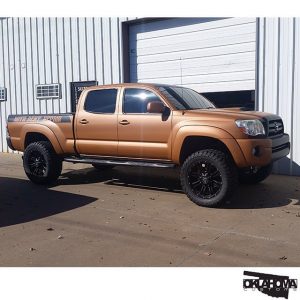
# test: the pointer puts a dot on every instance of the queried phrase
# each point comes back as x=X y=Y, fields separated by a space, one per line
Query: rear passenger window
x=101 y=101
x=136 y=100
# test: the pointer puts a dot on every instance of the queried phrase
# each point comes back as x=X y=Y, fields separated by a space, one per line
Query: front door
x=96 y=123
x=142 y=134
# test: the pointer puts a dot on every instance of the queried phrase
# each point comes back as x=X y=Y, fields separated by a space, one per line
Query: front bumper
x=261 y=152
x=280 y=147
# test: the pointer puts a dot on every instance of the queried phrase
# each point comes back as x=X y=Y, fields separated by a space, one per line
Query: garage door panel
x=197 y=44
x=185 y=25
x=207 y=78
x=197 y=62
x=200 y=70
x=194 y=37
x=197 y=53
x=222 y=86
x=209 y=87
x=200 y=53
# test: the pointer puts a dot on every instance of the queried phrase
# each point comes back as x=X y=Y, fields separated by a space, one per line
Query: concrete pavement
x=140 y=217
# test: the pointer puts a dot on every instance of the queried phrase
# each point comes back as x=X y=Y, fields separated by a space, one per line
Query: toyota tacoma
x=153 y=125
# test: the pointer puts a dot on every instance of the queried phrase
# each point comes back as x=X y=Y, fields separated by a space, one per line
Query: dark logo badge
x=272 y=285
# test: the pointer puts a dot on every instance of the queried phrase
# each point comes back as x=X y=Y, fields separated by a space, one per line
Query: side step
x=132 y=163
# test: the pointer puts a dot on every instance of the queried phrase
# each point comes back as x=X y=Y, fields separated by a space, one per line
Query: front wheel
x=255 y=175
x=41 y=164
x=208 y=177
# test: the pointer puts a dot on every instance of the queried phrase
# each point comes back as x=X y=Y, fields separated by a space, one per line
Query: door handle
x=83 y=121
x=124 y=122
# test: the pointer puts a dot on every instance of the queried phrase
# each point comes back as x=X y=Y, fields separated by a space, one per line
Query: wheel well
x=32 y=137
x=192 y=144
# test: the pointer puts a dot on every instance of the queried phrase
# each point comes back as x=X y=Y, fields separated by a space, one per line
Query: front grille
x=275 y=127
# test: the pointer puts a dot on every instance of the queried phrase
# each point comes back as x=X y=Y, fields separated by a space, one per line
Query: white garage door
x=209 y=55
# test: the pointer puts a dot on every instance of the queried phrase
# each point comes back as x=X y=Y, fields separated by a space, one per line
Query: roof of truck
x=136 y=84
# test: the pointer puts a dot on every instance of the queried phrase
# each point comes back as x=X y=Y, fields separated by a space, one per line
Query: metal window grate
x=2 y=94
x=48 y=91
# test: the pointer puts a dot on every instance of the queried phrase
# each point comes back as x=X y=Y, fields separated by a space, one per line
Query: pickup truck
x=153 y=125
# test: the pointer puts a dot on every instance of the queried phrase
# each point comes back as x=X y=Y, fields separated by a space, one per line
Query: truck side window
x=135 y=100
x=101 y=101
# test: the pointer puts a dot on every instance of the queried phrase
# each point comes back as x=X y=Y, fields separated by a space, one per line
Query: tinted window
x=136 y=100
x=101 y=101
x=185 y=98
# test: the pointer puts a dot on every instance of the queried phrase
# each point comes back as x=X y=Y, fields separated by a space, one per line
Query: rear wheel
x=255 y=175
x=41 y=164
x=102 y=167
x=208 y=177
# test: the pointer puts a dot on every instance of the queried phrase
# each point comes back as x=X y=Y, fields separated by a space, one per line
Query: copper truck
x=154 y=125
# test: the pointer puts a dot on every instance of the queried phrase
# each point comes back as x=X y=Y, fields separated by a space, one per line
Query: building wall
x=61 y=50
x=54 y=50
x=278 y=82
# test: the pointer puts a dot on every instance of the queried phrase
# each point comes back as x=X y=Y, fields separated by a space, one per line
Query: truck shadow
x=276 y=191
x=134 y=177
x=22 y=201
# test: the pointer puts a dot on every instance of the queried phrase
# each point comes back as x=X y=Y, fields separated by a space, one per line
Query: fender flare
x=44 y=130
x=211 y=132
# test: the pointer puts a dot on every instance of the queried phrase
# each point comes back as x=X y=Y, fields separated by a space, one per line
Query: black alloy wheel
x=205 y=179
x=41 y=164
x=208 y=177
x=37 y=164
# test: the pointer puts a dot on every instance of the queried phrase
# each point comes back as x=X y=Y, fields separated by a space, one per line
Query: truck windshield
x=185 y=98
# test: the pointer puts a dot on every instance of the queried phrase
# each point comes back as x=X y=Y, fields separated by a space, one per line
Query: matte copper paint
x=143 y=136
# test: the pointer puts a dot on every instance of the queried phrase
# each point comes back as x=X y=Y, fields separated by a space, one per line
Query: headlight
x=251 y=127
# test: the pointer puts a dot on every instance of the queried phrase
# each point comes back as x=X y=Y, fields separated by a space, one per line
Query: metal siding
x=68 y=60
x=296 y=102
x=279 y=81
x=99 y=58
x=35 y=63
x=54 y=50
x=29 y=66
x=82 y=48
x=55 y=78
x=11 y=60
x=207 y=54
x=90 y=44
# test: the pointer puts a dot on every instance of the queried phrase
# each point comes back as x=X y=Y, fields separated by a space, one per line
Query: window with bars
x=48 y=91
x=2 y=94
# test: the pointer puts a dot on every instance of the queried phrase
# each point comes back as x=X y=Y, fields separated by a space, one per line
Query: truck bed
x=57 y=128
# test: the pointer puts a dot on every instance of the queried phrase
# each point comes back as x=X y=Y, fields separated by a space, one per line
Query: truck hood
x=232 y=114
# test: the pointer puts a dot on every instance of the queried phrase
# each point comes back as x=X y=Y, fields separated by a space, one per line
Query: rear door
x=142 y=134
x=96 y=123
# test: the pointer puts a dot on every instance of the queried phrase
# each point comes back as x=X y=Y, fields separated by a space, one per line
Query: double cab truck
x=153 y=125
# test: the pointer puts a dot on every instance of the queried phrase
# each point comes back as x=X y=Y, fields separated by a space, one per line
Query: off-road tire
x=100 y=167
x=50 y=161
x=217 y=160
x=248 y=177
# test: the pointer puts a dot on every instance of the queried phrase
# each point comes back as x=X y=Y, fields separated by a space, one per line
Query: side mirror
x=155 y=107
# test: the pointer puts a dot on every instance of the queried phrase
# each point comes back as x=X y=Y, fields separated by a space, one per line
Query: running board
x=132 y=163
